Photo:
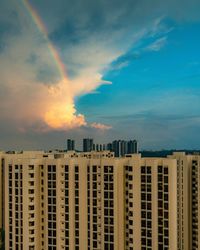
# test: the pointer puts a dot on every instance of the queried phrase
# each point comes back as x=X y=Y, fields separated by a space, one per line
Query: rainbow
x=40 y=25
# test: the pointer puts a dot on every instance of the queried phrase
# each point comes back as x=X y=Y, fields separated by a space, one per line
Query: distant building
x=70 y=145
x=109 y=146
x=132 y=147
x=124 y=148
x=97 y=147
x=121 y=147
x=116 y=148
x=87 y=145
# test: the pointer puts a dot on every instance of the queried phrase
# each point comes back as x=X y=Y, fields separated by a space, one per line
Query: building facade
x=188 y=190
x=89 y=201
x=1 y=202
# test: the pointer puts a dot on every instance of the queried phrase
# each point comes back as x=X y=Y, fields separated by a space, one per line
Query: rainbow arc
x=41 y=27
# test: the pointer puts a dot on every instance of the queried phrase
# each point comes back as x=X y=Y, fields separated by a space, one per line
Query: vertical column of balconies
x=163 y=207
x=88 y=207
x=180 y=205
x=195 y=208
x=31 y=206
x=52 y=235
x=67 y=207
x=10 y=206
x=99 y=207
x=18 y=207
x=94 y=209
x=128 y=206
x=42 y=215
x=146 y=208
x=76 y=186
x=108 y=207
x=61 y=199
x=94 y=206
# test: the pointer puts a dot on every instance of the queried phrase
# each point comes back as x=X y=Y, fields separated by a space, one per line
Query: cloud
x=157 y=45
x=100 y=126
x=62 y=116
x=47 y=75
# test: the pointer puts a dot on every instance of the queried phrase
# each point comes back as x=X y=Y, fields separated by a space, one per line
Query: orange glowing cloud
x=63 y=116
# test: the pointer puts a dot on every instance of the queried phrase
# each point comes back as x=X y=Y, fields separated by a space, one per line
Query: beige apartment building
x=1 y=191
x=188 y=201
x=1 y=200
x=89 y=201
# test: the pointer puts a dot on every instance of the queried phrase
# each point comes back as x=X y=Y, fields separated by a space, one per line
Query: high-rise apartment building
x=87 y=145
x=99 y=147
x=188 y=198
x=1 y=201
x=121 y=147
x=116 y=148
x=109 y=146
x=195 y=203
x=132 y=147
x=183 y=200
x=70 y=145
x=1 y=190
x=89 y=201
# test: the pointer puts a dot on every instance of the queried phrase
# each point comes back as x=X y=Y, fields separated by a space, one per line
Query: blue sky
x=133 y=68
x=158 y=88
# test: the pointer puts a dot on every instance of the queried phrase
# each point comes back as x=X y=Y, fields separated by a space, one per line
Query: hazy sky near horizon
x=103 y=69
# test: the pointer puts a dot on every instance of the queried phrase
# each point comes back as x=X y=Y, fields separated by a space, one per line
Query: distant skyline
x=101 y=69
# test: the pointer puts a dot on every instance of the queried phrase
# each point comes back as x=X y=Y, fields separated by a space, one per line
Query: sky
x=102 y=69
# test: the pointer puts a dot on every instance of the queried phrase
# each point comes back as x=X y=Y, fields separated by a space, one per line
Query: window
x=143 y=170
x=160 y=168
x=165 y=179
x=165 y=170
x=148 y=170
